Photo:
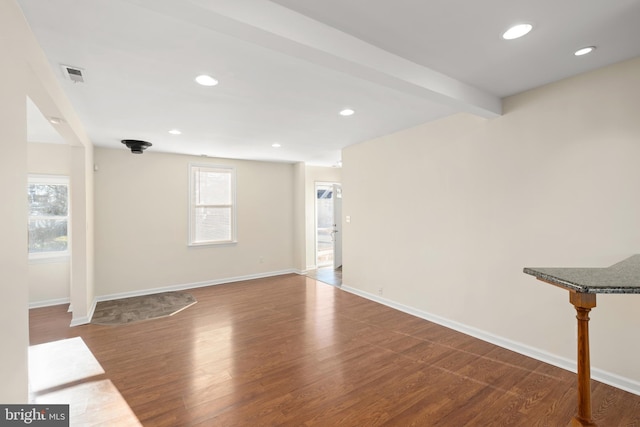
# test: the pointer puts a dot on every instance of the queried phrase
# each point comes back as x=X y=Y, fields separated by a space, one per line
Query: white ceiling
x=287 y=67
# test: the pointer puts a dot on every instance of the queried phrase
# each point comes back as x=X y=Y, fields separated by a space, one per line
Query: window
x=212 y=207
x=48 y=198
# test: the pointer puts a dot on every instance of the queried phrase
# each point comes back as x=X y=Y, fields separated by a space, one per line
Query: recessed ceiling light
x=347 y=112
x=584 y=50
x=55 y=120
x=175 y=132
x=276 y=145
x=517 y=31
x=205 y=80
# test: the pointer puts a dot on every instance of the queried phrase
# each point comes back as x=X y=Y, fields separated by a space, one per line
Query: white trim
x=316 y=184
x=48 y=303
x=48 y=179
x=233 y=206
x=209 y=244
x=603 y=376
x=87 y=319
x=184 y=286
x=52 y=256
x=49 y=257
x=301 y=272
x=77 y=321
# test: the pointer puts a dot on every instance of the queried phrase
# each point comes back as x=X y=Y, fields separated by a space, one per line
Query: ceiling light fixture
x=584 y=50
x=347 y=112
x=175 y=132
x=276 y=145
x=517 y=31
x=205 y=80
x=55 y=120
x=136 y=146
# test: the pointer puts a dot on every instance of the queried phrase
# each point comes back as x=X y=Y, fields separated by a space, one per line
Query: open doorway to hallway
x=328 y=232
x=328 y=225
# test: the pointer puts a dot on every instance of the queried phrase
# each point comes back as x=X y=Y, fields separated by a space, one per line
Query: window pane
x=46 y=235
x=213 y=188
x=47 y=200
x=212 y=224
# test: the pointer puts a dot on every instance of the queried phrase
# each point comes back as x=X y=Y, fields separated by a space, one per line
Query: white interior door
x=337 y=226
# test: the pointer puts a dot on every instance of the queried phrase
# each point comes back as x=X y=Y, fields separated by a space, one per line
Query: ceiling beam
x=275 y=27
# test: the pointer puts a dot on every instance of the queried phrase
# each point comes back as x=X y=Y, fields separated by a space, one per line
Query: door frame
x=317 y=184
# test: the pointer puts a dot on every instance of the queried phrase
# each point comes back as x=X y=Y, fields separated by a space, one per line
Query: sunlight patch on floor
x=61 y=362
x=66 y=372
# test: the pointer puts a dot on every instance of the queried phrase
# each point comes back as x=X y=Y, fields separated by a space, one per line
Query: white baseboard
x=77 y=321
x=84 y=320
x=603 y=376
x=48 y=303
x=184 y=286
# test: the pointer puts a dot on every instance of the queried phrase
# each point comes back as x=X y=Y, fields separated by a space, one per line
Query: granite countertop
x=620 y=278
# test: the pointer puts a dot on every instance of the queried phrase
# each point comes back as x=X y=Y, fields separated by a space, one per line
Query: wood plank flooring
x=289 y=350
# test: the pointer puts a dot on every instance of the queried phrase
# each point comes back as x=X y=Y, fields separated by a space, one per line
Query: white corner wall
x=445 y=216
x=14 y=332
x=141 y=217
x=299 y=218
x=26 y=74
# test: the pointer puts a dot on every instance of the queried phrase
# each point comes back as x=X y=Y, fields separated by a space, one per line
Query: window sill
x=204 y=244
x=48 y=258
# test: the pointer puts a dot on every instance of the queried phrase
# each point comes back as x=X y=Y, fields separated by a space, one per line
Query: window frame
x=192 y=205
x=50 y=256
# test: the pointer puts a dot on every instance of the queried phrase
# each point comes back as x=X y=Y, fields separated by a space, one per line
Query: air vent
x=75 y=74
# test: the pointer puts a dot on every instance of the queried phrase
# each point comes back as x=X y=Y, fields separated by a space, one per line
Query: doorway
x=328 y=225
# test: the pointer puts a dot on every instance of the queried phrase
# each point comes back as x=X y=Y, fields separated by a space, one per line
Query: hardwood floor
x=292 y=351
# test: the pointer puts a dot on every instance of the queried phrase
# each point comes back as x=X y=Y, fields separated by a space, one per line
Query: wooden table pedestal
x=583 y=303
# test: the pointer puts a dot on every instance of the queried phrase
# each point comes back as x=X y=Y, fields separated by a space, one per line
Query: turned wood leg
x=583 y=303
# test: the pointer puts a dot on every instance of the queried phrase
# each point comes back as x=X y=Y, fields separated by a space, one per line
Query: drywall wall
x=49 y=159
x=313 y=175
x=49 y=280
x=82 y=235
x=141 y=216
x=14 y=333
x=299 y=218
x=26 y=74
x=445 y=216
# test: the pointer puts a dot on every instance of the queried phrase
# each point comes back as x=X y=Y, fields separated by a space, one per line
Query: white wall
x=82 y=235
x=49 y=281
x=14 y=334
x=299 y=218
x=445 y=216
x=25 y=73
x=142 y=222
x=313 y=175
